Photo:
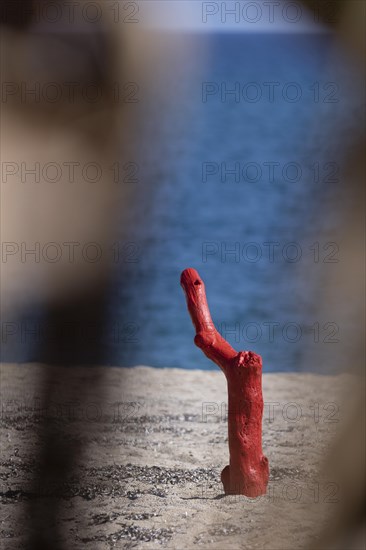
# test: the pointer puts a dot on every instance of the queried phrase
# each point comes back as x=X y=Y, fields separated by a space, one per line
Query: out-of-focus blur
x=71 y=123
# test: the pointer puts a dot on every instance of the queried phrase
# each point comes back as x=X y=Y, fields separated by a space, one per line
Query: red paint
x=248 y=471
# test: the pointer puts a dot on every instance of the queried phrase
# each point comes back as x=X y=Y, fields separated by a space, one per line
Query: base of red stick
x=248 y=471
x=239 y=483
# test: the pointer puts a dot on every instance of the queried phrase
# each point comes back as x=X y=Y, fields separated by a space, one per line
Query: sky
x=228 y=16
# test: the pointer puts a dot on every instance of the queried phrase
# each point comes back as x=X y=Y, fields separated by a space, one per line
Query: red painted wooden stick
x=248 y=471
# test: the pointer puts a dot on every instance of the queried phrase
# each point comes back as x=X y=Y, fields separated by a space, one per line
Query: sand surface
x=153 y=443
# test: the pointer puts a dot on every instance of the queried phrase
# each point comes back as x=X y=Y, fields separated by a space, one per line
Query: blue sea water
x=188 y=213
x=264 y=242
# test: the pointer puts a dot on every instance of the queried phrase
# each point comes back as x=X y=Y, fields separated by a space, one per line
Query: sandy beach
x=152 y=452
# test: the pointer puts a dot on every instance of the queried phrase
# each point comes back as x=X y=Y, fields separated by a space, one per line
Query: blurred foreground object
x=344 y=464
x=70 y=120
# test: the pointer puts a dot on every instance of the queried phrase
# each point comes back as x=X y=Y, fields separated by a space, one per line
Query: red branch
x=248 y=471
